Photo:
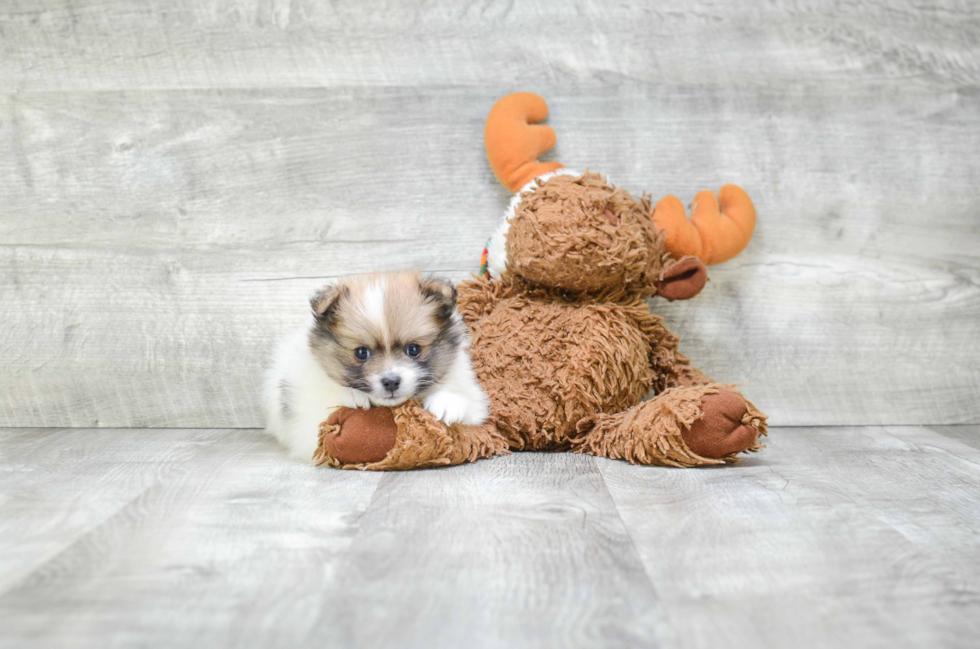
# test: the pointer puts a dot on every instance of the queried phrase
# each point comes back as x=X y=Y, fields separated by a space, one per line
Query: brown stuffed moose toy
x=563 y=340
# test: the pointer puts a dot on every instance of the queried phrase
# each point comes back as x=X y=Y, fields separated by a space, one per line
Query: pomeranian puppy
x=373 y=340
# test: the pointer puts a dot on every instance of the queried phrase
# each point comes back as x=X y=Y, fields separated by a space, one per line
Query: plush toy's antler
x=713 y=234
x=513 y=142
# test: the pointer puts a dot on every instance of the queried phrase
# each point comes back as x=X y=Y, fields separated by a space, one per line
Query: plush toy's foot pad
x=683 y=426
x=720 y=432
x=357 y=436
x=405 y=437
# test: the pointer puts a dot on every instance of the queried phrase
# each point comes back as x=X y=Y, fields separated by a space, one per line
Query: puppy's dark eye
x=413 y=350
x=362 y=353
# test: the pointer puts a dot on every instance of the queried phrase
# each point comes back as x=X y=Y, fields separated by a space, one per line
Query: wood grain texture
x=57 y=487
x=237 y=547
x=857 y=537
x=133 y=44
x=969 y=435
x=525 y=550
x=180 y=176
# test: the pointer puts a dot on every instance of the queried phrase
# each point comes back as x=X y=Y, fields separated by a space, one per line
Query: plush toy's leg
x=683 y=426
x=406 y=437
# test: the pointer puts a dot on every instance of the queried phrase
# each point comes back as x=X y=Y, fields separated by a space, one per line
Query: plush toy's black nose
x=390 y=383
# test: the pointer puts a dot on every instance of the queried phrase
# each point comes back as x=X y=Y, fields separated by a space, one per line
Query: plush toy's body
x=562 y=338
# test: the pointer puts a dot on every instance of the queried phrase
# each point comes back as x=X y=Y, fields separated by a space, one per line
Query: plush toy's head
x=579 y=233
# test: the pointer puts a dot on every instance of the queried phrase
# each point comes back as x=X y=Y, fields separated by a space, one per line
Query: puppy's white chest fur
x=299 y=395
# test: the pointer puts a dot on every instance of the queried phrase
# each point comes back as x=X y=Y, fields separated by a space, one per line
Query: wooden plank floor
x=864 y=536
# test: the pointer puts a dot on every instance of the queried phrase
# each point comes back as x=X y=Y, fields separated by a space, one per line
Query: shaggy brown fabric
x=583 y=234
x=547 y=363
x=685 y=376
x=419 y=439
x=566 y=347
x=658 y=431
x=651 y=433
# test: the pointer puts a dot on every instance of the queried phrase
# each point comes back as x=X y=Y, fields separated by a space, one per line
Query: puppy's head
x=389 y=335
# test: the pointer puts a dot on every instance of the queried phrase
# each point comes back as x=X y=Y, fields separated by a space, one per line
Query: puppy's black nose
x=391 y=383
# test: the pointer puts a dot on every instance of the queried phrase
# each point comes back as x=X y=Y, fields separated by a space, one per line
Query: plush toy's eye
x=362 y=353
x=413 y=350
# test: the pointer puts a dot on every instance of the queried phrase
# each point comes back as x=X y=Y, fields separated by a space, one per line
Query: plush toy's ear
x=683 y=279
x=514 y=139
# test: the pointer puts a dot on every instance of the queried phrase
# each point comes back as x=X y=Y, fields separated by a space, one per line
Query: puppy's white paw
x=453 y=408
x=447 y=406
x=354 y=399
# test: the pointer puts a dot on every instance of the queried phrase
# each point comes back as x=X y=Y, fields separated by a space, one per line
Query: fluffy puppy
x=373 y=340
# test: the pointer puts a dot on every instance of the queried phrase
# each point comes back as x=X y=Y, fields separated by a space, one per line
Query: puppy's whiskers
x=424 y=383
x=360 y=384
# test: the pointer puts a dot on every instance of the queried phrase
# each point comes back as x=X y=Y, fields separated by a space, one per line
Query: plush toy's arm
x=671 y=367
x=478 y=296
x=683 y=374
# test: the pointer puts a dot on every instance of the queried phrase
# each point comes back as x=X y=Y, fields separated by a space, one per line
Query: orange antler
x=714 y=234
x=513 y=142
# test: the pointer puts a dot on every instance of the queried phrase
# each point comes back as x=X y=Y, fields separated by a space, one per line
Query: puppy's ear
x=439 y=290
x=442 y=293
x=325 y=301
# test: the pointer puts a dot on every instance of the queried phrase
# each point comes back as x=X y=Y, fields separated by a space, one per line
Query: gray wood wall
x=176 y=177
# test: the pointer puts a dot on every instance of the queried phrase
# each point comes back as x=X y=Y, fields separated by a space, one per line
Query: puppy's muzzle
x=391 y=383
